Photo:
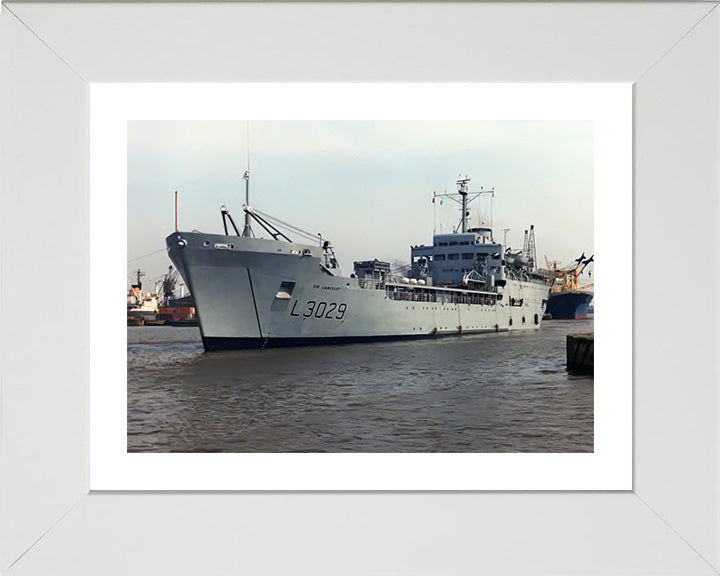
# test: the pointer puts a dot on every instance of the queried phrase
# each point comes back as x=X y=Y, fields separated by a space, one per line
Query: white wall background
x=668 y=526
x=677 y=154
x=44 y=281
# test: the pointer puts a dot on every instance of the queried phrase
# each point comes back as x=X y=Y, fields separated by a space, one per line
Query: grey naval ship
x=254 y=292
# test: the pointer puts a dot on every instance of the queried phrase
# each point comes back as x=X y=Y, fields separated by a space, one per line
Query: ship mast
x=247 y=231
x=464 y=201
x=463 y=191
x=139 y=273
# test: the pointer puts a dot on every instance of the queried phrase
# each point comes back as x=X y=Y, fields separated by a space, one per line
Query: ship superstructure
x=141 y=304
x=256 y=292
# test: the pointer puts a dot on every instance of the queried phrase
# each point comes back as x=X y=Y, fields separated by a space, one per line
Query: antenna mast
x=464 y=201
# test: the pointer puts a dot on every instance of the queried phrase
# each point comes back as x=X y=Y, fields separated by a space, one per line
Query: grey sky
x=367 y=186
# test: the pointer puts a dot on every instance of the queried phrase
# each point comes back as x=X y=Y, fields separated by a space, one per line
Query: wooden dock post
x=580 y=353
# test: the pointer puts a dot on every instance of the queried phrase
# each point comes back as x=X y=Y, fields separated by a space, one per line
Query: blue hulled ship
x=567 y=300
x=569 y=305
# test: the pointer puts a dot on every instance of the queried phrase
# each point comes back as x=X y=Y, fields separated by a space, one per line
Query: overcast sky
x=366 y=186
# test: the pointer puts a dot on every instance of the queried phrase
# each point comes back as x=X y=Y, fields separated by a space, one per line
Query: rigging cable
x=287 y=226
x=146 y=255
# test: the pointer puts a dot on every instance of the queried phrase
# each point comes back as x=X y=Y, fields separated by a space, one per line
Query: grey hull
x=258 y=293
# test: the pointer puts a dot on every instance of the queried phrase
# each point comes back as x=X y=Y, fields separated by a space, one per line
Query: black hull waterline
x=216 y=344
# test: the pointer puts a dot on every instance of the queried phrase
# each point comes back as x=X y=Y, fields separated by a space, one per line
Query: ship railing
x=439 y=296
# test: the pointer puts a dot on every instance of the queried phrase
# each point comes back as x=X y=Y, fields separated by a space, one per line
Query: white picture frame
x=668 y=524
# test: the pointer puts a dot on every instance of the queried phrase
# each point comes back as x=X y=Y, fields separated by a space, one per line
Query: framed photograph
x=585 y=127
x=662 y=521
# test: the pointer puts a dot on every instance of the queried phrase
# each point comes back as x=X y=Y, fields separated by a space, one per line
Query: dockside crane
x=168 y=285
x=566 y=278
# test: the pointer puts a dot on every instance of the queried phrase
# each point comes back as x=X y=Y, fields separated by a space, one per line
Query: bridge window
x=468 y=256
x=439 y=257
x=453 y=256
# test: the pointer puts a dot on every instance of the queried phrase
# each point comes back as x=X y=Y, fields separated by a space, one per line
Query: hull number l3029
x=315 y=309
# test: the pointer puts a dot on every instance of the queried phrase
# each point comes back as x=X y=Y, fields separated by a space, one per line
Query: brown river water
x=505 y=392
